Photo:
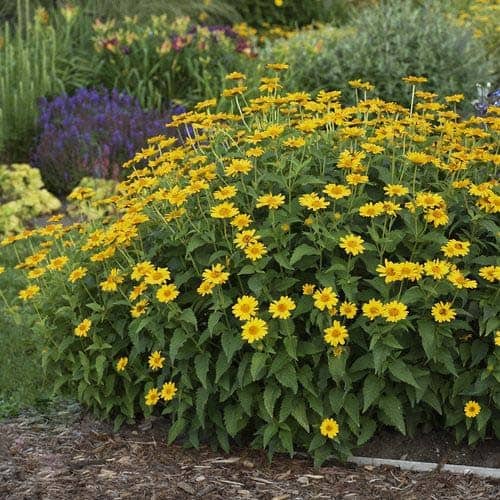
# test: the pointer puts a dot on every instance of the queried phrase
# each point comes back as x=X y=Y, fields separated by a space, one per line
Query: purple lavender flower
x=91 y=134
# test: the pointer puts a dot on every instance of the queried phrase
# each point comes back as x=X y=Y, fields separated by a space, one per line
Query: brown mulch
x=68 y=454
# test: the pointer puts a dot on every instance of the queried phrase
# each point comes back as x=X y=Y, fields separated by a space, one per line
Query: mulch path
x=68 y=454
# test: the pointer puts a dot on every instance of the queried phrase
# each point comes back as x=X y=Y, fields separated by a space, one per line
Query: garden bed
x=68 y=453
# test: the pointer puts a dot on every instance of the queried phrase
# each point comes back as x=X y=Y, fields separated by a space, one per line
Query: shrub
x=91 y=133
x=164 y=60
x=394 y=39
x=299 y=274
x=22 y=197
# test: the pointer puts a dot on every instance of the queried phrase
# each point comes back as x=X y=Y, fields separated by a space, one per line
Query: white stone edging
x=488 y=472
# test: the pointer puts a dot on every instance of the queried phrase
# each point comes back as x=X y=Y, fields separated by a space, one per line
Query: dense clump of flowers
x=296 y=270
x=91 y=133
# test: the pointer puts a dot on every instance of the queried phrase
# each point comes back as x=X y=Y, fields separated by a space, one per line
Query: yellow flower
x=36 y=273
x=216 y=275
x=141 y=269
x=329 y=428
x=139 y=309
x=157 y=276
x=325 y=298
x=77 y=274
x=358 y=84
x=294 y=142
x=110 y=284
x=83 y=328
x=436 y=268
x=455 y=248
x=121 y=364
x=29 y=292
x=373 y=309
x=254 y=329
x=336 y=334
x=224 y=210
x=254 y=152
x=225 y=192
x=355 y=179
x=245 y=308
x=168 y=391
x=137 y=291
x=337 y=191
x=246 y=238
x=371 y=209
x=282 y=307
x=497 y=338
x=255 y=251
x=2 y=269
x=205 y=288
x=277 y=66
x=241 y=221
x=313 y=202
x=348 y=309
x=156 y=360
x=308 y=288
x=457 y=279
x=490 y=273
x=413 y=80
x=472 y=409
x=152 y=397
x=272 y=201
x=58 y=263
x=352 y=244
x=442 y=312
x=238 y=166
x=167 y=293
x=395 y=190
x=235 y=75
x=394 y=311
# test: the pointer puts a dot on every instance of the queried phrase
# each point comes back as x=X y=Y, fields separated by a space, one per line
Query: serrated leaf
x=286 y=407
x=368 y=428
x=301 y=251
x=290 y=343
x=257 y=364
x=100 y=362
x=372 y=388
x=232 y=419
x=188 y=316
x=270 y=430
x=201 y=400
x=287 y=377
x=428 y=334
x=399 y=369
x=176 y=429
x=271 y=394
x=213 y=320
x=286 y=440
x=201 y=367
x=351 y=407
x=231 y=342
x=176 y=342
x=299 y=412
x=393 y=412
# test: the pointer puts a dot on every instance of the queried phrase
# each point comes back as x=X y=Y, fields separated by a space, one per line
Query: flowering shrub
x=298 y=272
x=164 y=60
x=22 y=197
x=91 y=133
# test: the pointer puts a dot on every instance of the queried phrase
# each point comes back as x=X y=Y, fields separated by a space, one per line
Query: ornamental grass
x=295 y=275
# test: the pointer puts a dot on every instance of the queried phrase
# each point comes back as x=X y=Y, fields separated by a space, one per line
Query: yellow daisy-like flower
x=442 y=312
x=308 y=288
x=254 y=329
x=121 y=364
x=225 y=210
x=156 y=360
x=371 y=209
x=329 y=428
x=139 y=309
x=413 y=80
x=336 y=334
x=313 y=202
x=337 y=191
x=58 y=263
x=168 y=391
x=455 y=248
x=352 y=244
x=137 y=291
x=394 y=190
x=36 y=273
x=238 y=166
x=254 y=152
x=241 y=221
x=82 y=330
x=373 y=309
x=395 y=311
x=216 y=275
x=225 y=192
x=246 y=238
x=325 y=298
x=141 y=269
x=490 y=273
x=77 y=274
x=472 y=409
x=29 y=292
x=272 y=201
x=205 y=288
x=110 y=284
x=294 y=142
x=255 y=251
x=245 y=308
x=497 y=338
x=152 y=397
x=282 y=308
x=348 y=309
x=436 y=268
x=2 y=269
x=157 y=276
x=167 y=293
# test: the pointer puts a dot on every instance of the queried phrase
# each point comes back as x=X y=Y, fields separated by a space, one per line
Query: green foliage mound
x=296 y=274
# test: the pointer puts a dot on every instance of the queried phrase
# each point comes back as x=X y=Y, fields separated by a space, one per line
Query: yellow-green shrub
x=22 y=197
x=142 y=304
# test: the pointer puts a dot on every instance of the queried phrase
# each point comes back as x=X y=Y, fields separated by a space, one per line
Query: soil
x=68 y=454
